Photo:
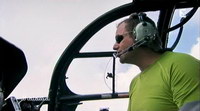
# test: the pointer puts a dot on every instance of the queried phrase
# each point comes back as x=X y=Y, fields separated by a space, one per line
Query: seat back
x=13 y=66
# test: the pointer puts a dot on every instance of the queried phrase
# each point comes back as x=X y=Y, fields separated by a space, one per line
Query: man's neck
x=146 y=58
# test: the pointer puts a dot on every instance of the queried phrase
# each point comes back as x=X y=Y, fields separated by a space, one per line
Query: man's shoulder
x=169 y=59
x=178 y=56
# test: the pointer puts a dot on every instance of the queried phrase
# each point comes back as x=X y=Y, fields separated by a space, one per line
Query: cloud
x=195 y=49
x=124 y=78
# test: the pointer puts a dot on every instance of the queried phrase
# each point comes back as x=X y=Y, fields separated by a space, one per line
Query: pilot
x=168 y=80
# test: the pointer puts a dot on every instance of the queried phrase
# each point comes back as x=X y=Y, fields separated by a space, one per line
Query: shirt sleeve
x=185 y=80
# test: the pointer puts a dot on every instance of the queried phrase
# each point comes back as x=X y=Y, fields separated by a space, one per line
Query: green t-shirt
x=167 y=85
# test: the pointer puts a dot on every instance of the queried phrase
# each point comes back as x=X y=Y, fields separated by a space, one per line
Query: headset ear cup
x=146 y=31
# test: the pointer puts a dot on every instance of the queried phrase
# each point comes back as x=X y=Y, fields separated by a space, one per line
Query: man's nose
x=116 y=46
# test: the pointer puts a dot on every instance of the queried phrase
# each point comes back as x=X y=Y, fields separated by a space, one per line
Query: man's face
x=123 y=41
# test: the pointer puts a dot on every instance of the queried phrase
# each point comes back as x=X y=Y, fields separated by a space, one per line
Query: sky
x=44 y=28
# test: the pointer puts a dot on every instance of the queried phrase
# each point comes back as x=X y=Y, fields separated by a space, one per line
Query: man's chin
x=122 y=60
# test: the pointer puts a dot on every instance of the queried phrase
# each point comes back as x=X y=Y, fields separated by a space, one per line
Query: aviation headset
x=146 y=33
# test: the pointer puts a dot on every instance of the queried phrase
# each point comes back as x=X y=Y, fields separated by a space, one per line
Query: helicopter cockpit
x=64 y=93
